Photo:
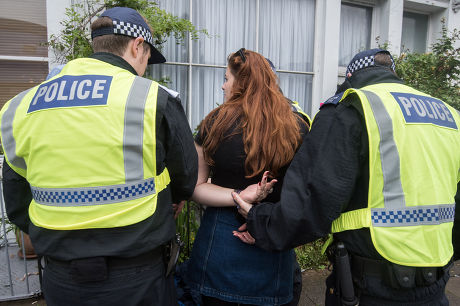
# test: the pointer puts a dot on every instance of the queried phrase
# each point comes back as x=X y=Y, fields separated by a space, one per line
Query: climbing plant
x=74 y=40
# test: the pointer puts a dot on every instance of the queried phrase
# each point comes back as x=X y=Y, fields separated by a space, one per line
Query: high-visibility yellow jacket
x=297 y=109
x=85 y=141
x=414 y=165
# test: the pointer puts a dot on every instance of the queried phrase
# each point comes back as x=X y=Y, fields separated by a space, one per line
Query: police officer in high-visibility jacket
x=106 y=153
x=380 y=170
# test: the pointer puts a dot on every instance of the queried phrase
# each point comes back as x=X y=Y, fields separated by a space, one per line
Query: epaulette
x=333 y=100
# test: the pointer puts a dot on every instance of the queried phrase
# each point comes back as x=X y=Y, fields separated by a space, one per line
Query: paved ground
x=312 y=291
x=314 y=287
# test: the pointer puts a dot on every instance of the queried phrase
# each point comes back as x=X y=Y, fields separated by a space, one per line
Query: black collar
x=373 y=75
x=113 y=60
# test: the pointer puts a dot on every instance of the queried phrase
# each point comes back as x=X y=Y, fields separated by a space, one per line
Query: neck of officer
x=114 y=60
x=133 y=63
x=373 y=75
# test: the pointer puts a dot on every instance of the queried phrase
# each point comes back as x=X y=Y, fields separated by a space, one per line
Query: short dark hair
x=112 y=43
x=383 y=59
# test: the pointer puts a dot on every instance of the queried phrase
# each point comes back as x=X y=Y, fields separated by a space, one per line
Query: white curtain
x=286 y=37
x=355 y=31
x=174 y=51
x=176 y=76
x=297 y=87
x=414 y=29
x=287 y=33
x=232 y=24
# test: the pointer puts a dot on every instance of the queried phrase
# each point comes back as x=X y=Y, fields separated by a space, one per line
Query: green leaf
x=74 y=41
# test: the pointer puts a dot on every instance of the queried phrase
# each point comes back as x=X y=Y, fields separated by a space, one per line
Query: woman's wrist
x=238 y=191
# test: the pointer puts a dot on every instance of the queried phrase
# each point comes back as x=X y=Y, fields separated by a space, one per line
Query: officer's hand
x=244 y=235
x=178 y=208
x=243 y=206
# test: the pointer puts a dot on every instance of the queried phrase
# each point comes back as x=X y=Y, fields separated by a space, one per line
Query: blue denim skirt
x=223 y=267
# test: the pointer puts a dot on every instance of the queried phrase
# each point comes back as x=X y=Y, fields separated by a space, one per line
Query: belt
x=395 y=275
x=365 y=266
x=149 y=257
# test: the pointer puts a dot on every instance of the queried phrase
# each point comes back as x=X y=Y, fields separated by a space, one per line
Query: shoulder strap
x=333 y=100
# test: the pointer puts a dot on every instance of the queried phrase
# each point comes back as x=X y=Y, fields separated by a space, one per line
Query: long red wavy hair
x=271 y=132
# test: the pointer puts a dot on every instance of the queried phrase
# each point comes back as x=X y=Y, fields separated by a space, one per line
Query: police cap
x=127 y=21
x=366 y=59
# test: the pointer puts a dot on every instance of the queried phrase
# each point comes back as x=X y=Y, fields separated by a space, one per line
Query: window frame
x=191 y=65
x=363 y=3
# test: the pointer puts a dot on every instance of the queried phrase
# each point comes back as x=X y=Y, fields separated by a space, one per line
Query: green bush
x=436 y=73
x=309 y=255
x=187 y=224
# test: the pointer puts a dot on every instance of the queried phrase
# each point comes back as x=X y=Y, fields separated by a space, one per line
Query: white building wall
x=55 y=12
x=453 y=17
x=327 y=31
x=390 y=13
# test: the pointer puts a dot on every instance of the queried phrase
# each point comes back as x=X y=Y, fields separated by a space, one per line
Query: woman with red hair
x=253 y=131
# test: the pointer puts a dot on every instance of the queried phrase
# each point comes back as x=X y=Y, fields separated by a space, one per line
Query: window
x=355 y=31
x=282 y=31
x=23 y=55
x=414 y=32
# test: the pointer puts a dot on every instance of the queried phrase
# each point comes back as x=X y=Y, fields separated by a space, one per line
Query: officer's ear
x=136 y=47
x=134 y=55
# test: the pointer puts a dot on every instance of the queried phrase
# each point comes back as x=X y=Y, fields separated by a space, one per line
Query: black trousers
x=373 y=291
x=95 y=282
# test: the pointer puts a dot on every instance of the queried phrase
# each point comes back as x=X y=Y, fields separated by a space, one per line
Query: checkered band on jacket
x=413 y=216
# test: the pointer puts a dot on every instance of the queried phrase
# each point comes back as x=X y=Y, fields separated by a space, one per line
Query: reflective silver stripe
x=393 y=193
x=9 y=143
x=410 y=216
x=134 y=129
x=85 y=196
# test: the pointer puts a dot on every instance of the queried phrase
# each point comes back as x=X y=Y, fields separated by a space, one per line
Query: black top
x=329 y=175
x=175 y=150
x=228 y=169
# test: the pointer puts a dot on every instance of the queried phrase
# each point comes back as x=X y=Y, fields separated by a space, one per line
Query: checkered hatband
x=367 y=61
x=360 y=64
x=133 y=30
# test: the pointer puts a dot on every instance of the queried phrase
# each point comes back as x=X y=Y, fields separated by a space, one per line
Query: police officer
x=105 y=152
x=380 y=170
